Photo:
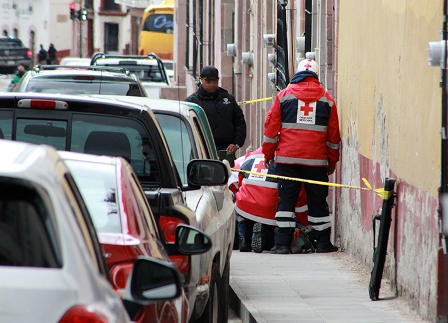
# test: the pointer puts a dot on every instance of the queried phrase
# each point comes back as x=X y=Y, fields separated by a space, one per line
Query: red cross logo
x=306 y=109
x=308 y=65
x=258 y=167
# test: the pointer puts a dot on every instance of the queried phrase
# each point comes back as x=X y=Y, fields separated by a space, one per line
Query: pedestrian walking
x=42 y=55
x=225 y=116
x=51 y=55
x=302 y=135
x=256 y=201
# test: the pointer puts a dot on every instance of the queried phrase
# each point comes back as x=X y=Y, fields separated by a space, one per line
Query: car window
x=78 y=86
x=179 y=141
x=97 y=185
x=84 y=221
x=5 y=124
x=27 y=236
x=48 y=132
x=143 y=204
x=202 y=139
x=112 y=136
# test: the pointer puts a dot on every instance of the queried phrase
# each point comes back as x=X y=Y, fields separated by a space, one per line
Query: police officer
x=223 y=112
x=302 y=135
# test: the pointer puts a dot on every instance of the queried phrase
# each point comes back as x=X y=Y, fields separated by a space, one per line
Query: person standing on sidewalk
x=302 y=135
x=225 y=116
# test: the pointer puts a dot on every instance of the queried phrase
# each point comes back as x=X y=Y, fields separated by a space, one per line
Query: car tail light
x=119 y=275
x=84 y=78
x=42 y=104
x=169 y=225
x=83 y=314
x=29 y=53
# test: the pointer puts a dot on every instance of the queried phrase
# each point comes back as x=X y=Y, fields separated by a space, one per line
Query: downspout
x=442 y=261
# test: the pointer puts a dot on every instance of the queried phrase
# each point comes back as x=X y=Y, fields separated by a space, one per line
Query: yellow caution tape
x=253 y=101
x=385 y=195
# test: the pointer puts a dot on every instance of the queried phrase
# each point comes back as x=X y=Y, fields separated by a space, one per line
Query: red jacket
x=302 y=126
x=257 y=197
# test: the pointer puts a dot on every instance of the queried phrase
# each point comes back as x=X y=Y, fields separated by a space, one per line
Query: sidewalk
x=309 y=288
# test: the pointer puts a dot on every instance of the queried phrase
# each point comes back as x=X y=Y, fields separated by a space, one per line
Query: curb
x=239 y=308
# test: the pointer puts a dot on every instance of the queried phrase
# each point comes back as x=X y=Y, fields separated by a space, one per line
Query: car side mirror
x=206 y=172
x=191 y=241
x=151 y=280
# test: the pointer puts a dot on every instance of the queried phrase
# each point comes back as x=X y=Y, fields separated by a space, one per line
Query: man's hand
x=267 y=163
x=232 y=148
x=330 y=169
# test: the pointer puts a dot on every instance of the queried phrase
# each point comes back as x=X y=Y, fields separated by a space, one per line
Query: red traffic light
x=72 y=6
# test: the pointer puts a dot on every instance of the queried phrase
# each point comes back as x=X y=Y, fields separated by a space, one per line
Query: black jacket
x=224 y=115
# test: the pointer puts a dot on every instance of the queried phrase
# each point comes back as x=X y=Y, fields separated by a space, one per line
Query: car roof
x=17 y=157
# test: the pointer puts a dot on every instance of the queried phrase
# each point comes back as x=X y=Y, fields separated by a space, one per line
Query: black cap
x=209 y=72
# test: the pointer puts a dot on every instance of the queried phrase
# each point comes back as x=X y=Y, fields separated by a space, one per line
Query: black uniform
x=224 y=115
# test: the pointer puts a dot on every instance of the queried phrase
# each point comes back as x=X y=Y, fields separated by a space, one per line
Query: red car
x=126 y=227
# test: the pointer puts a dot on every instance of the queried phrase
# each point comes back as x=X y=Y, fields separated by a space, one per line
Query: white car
x=74 y=61
x=150 y=69
x=189 y=136
x=52 y=267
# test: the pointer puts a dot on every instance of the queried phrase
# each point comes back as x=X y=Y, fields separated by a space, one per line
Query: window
x=179 y=142
x=26 y=231
x=97 y=185
x=162 y=23
x=48 y=132
x=111 y=136
x=5 y=124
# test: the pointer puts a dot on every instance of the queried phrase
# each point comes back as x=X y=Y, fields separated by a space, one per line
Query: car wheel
x=212 y=309
x=224 y=293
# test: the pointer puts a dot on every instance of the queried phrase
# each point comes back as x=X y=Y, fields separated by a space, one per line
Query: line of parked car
x=145 y=176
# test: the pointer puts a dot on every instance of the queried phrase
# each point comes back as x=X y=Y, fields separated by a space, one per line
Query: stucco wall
x=389 y=103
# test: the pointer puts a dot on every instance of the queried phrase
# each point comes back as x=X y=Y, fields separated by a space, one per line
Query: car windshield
x=82 y=85
x=97 y=185
x=179 y=141
x=144 y=72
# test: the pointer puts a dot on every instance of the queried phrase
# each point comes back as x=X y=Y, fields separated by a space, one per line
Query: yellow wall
x=383 y=73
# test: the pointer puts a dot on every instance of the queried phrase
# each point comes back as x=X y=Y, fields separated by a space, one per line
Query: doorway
x=110 y=38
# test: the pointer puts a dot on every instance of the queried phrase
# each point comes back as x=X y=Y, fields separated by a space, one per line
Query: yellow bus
x=156 y=33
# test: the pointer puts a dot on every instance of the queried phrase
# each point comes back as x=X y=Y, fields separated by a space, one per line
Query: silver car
x=52 y=267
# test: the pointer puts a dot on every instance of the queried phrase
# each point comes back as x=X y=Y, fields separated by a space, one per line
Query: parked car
x=126 y=226
x=74 y=61
x=149 y=69
x=80 y=80
x=104 y=125
x=52 y=267
x=12 y=54
x=189 y=136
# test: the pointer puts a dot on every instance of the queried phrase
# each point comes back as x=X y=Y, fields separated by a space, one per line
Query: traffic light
x=83 y=14
x=73 y=13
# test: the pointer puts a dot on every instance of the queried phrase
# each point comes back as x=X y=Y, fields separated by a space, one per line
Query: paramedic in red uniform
x=302 y=134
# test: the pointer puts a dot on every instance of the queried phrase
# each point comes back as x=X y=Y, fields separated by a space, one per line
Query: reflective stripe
x=321 y=227
x=332 y=146
x=301 y=208
x=270 y=140
x=326 y=100
x=285 y=214
x=302 y=161
x=323 y=219
x=260 y=182
x=304 y=126
x=288 y=97
x=249 y=216
x=284 y=224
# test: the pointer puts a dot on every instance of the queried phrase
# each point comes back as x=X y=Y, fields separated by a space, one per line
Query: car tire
x=224 y=293
x=212 y=310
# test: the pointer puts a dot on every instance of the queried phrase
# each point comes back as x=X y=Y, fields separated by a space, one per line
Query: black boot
x=244 y=245
x=321 y=241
